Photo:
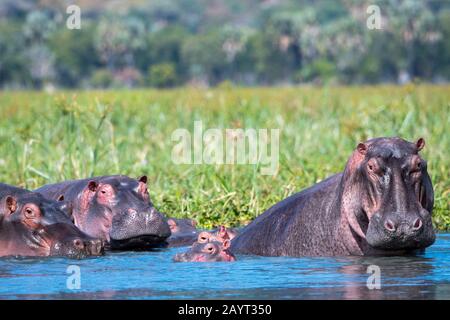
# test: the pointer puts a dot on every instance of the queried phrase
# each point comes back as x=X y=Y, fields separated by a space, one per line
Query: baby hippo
x=220 y=234
x=214 y=251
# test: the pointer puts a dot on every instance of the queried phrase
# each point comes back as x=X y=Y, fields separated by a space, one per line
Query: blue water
x=153 y=275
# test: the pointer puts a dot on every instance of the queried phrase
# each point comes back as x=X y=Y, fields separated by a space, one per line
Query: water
x=153 y=275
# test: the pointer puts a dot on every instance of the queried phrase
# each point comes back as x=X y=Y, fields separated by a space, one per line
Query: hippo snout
x=96 y=247
x=403 y=227
x=93 y=247
x=156 y=217
x=139 y=229
x=78 y=248
x=400 y=231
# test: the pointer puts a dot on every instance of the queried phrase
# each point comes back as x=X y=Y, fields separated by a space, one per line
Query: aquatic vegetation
x=47 y=138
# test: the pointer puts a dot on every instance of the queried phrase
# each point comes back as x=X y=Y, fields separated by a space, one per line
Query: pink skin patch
x=142 y=188
x=199 y=258
x=173 y=226
x=227 y=256
x=105 y=194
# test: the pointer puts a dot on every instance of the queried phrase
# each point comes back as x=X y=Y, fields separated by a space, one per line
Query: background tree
x=254 y=42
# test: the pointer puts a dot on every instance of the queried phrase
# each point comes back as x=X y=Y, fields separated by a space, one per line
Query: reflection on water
x=152 y=275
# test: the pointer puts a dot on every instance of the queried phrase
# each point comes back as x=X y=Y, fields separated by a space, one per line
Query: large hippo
x=380 y=204
x=31 y=225
x=113 y=208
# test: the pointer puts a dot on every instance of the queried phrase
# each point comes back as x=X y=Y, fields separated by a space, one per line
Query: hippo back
x=301 y=225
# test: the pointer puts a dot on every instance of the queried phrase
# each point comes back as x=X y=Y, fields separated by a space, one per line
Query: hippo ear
x=143 y=179
x=143 y=186
x=172 y=224
x=357 y=158
x=420 y=144
x=226 y=244
x=223 y=233
x=9 y=205
x=362 y=148
x=92 y=186
x=87 y=195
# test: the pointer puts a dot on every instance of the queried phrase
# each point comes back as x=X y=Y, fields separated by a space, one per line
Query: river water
x=153 y=275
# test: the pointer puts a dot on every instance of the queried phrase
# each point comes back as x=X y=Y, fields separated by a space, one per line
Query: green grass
x=49 y=138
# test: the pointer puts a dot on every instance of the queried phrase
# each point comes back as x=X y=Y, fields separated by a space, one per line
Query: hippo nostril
x=78 y=244
x=389 y=225
x=417 y=224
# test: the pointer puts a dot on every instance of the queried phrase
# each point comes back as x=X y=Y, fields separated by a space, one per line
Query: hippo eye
x=370 y=167
x=29 y=213
x=203 y=237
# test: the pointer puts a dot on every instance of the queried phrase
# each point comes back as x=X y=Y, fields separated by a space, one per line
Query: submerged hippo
x=183 y=232
x=113 y=208
x=31 y=225
x=380 y=204
x=220 y=235
x=207 y=252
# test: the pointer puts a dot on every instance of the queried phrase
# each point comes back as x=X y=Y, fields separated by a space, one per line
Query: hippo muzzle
x=78 y=248
x=401 y=231
x=69 y=242
x=139 y=229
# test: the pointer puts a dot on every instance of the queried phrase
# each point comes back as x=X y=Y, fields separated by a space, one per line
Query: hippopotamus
x=31 y=225
x=183 y=232
x=214 y=251
x=220 y=235
x=116 y=209
x=381 y=204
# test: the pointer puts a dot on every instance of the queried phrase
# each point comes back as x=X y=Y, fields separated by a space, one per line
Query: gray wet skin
x=31 y=225
x=116 y=209
x=183 y=232
x=380 y=204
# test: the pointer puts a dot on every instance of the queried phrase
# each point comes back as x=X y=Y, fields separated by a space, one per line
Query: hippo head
x=178 y=226
x=207 y=252
x=221 y=234
x=34 y=226
x=118 y=209
x=391 y=195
